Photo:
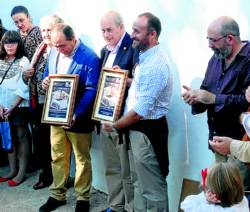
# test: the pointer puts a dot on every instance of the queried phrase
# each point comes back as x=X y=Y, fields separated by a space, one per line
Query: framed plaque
x=60 y=98
x=110 y=94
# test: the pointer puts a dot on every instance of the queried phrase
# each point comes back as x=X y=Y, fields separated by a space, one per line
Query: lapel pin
x=124 y=48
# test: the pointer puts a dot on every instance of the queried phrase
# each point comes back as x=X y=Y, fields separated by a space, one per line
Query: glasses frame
x=214 y=40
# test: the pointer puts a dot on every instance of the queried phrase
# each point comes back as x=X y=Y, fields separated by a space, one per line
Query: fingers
x=29 y=73
x=45 y=83
x=247 y=94
x=186 y=87
x=116 y=67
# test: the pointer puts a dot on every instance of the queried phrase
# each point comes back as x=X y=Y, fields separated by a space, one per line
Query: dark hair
x=19 y=9
x=1 y=29
x=68 y=32
x=154 y=23
x=230 y=27
x=65 y=29
x=12 y=37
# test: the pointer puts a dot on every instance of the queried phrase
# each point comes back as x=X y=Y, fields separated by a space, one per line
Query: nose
x=210 y=44
x=132 y=35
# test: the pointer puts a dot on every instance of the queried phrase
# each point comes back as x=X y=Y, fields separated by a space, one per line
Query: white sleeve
x=23 y=89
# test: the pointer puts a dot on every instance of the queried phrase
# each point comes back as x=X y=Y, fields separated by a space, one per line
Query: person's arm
x=7 y=112
x=225 y=146
x=88 y=84
x=240 y=150
x=129 y=119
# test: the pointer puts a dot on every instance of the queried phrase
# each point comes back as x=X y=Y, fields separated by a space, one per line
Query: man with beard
x=145 y=116
x=226 y=80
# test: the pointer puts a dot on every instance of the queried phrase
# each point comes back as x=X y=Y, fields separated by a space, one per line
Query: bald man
x=222 y=92
x=227 y=77
x=117 y=51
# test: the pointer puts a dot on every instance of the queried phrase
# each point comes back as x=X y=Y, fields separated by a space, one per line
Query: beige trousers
x=61 y=143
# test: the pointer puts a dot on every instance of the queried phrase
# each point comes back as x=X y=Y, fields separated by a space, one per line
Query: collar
x=148 y=52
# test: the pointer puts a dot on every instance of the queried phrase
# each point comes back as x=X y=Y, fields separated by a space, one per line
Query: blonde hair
x=224 y=180
x=51 y=19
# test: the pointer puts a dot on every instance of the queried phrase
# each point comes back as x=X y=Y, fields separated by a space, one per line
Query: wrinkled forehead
x=57 y=37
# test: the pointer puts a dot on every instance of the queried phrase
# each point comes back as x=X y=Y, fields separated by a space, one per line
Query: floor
x=24 y=198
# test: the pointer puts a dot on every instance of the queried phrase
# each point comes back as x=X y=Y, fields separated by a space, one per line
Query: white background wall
x=184 y=24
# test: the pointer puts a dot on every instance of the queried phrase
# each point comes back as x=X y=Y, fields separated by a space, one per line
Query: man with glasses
x=227 y=77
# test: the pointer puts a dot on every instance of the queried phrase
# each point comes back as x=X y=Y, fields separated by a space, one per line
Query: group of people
x=32 y=53
x=224 y=94
x=135 y=146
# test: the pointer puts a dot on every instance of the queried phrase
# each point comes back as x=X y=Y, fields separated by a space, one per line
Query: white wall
x=184 y=24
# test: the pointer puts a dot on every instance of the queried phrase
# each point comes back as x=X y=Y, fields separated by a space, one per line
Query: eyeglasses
x=204 y=176
x=214 y=40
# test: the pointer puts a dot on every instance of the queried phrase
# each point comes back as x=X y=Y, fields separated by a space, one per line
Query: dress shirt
x=152 y=85
x=113 y=52
x=229 y=85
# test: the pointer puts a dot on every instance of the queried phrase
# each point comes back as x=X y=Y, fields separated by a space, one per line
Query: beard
x=222 y=53
x=142 y=45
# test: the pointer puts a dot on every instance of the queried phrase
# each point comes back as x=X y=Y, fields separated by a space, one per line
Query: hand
x=73 y=121
x=1 y=112
x=107 y=126
x=29 y=73
x=8 y=112
x=211 y=197
x=194 y=96
x=247 y=94
x=204 y=97
x=221 y=144
x=189 y=95
x=45 y=83
x=116 y=67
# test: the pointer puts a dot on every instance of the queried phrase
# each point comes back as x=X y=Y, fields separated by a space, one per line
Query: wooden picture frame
x=60 y=99
x=110 y=94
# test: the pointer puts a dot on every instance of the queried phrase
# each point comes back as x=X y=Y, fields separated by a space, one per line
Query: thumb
x=186 y=87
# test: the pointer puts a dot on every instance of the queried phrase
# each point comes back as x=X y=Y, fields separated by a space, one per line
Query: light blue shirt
x=151 y=88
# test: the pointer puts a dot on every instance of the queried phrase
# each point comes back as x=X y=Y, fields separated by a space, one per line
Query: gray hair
x=230 y=27
x=51 y=19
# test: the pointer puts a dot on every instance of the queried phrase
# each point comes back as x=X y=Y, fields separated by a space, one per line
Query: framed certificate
x=110 y=94
x=60 y=98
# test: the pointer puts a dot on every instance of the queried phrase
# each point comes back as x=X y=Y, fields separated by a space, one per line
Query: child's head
x=224 y=180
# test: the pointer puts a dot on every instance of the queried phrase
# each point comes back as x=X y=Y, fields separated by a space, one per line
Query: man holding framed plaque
x=145 y=116
x=71 y=57
x=117 y=52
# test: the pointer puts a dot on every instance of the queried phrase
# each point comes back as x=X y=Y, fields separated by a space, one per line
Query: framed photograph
x=60 y=98
x=110 y=94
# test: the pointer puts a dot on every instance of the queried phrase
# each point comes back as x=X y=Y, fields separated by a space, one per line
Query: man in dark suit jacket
x=118 y=51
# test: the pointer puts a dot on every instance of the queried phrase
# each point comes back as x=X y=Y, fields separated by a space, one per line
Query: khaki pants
x=150 y=187
x=61 y=143
x=117 y=172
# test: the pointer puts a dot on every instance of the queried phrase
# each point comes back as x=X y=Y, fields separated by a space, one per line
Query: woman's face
x=46 y=31
x=10 y=48
x=22 y=21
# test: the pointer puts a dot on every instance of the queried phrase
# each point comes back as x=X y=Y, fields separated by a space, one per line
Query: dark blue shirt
x=229 y=85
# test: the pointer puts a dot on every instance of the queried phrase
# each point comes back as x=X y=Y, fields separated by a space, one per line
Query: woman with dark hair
x=14 y=101
x=2 y=29
x=31 y=36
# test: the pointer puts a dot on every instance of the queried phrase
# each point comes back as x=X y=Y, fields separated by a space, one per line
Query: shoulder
x=86 y=51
